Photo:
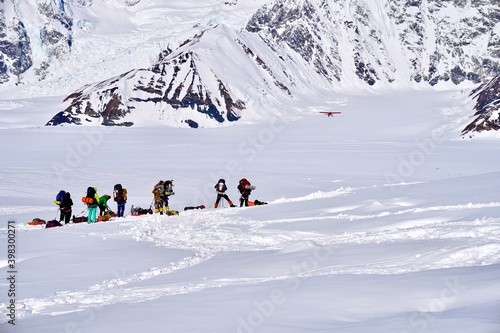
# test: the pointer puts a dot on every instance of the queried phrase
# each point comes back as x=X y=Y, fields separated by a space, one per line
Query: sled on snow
x=256 y=203
x=36 y=221
x=52 y=224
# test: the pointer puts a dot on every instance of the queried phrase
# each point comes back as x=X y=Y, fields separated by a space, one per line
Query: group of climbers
x=93 y=201
x=164 y=189
x=244 y=187
x=161 y=193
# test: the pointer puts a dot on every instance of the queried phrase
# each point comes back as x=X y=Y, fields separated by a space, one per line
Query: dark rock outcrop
x=487 y=116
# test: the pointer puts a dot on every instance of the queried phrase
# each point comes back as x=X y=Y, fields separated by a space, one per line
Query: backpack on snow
x=194 y=207
x=60 y=197
x=52 y=224
x=137 y=211
x=79 y=219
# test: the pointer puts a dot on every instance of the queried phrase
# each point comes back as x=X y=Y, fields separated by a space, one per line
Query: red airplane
x=330 y=113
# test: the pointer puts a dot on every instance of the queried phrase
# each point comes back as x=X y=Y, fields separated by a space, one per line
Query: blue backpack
x=60 y=197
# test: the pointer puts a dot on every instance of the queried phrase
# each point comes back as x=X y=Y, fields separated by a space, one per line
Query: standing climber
x=92 y=200
x=221 y=189
x=158 y=190
x=120 y=197
x=168 y=190
x=245 y=189
x=66 y=208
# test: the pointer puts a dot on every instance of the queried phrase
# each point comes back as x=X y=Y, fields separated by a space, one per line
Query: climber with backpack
x=157 y=191
x=221 y=189
x=120 y=197
x=168 y=190
x=103 y=204
x=65 y=207
x=245 y=189
x=161 y=191
x=91 y=200
x=59 y=197
x=58 y=201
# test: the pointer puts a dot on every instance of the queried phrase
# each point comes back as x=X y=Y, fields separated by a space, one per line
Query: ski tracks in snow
x=208 y=233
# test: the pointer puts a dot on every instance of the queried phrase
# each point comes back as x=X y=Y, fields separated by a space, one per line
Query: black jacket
x=66 y=203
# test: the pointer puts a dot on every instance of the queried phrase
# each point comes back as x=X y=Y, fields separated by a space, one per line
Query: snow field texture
x=371 y=225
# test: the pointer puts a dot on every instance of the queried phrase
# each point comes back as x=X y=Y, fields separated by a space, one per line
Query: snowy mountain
x=229 y=60
x=181 y=80
x=386 y=41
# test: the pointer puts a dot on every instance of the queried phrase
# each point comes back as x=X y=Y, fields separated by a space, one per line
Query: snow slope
x=380 y=219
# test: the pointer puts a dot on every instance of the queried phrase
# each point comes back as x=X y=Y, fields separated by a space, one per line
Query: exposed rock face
x=381 y=40
x=55 y=36
x=15 y=52
x=172 y=87
x=487 y=116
